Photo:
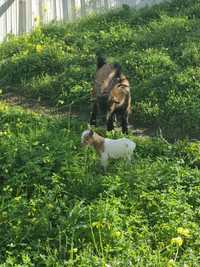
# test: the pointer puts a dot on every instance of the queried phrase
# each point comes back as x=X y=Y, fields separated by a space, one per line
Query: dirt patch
x=66 y=111
x=33 y=105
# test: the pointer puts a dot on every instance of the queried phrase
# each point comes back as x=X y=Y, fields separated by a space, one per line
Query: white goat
x=108 y=148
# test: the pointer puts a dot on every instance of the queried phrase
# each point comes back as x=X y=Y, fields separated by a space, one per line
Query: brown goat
x=111 y=93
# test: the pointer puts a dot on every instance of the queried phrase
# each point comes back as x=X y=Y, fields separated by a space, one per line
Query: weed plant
x=59 y=209
x=158 y=49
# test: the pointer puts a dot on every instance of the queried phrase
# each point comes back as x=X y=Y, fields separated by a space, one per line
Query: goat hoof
x=125 y=131
x=93 y=123
x=109 y=129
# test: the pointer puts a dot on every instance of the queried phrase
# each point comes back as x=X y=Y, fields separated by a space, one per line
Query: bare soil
x=38 y=107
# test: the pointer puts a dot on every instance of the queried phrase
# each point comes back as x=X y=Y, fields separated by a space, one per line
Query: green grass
x=157 y=47
x=59 y=209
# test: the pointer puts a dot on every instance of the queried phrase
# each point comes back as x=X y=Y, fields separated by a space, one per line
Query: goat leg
x=110 y=121
x=93 y=117
x=125 y=123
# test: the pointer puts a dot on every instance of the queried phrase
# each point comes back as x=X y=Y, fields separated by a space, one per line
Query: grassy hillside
x=158 y=48
x=57 y=207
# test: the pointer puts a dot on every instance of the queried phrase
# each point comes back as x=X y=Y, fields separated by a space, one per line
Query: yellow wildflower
x=116 y=234
x=50 y=206
x=39 y=48
x=97 y=225
x=178 y=241
x=171 y=263
x=183 y=231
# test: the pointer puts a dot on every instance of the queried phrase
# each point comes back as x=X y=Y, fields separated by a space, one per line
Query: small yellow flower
x=183 y=231
x=50 y=206
x=178 y=241
x=116 y=234
x=39 y=48
x=171 y=263
x=97 y=225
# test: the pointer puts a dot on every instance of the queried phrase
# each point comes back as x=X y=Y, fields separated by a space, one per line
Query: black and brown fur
x=111 y=91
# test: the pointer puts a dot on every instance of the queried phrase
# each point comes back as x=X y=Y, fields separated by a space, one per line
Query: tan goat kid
x=108 y=148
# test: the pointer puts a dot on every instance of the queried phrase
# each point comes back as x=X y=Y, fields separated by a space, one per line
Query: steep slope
x=57 y=206
x=59 y=209
x=158 y=48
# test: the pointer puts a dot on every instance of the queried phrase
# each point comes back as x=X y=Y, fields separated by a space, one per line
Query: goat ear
x=100 y=61
x=117 y=67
